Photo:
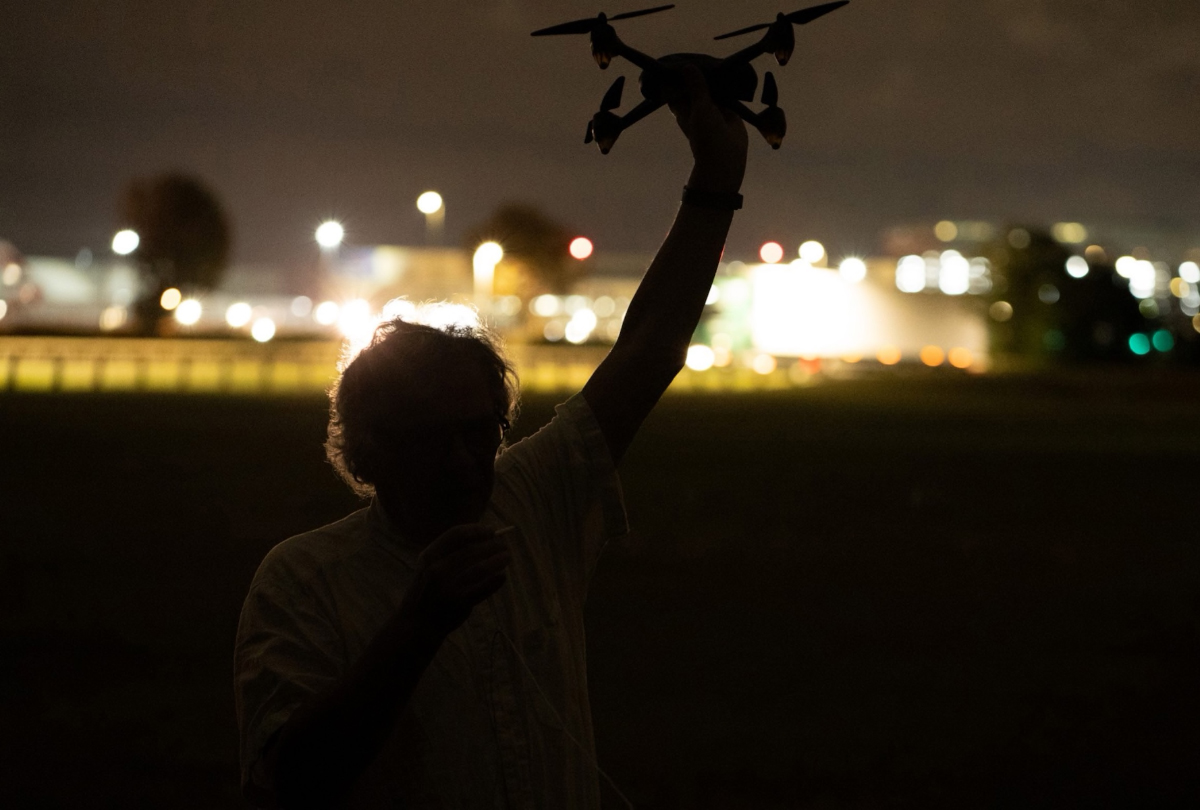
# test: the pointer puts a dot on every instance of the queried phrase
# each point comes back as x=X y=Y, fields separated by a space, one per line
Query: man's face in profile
x=439 y=448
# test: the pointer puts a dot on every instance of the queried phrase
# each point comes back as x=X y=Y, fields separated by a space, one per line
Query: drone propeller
x=611 y=100
x=591 y=23
x=802 y=17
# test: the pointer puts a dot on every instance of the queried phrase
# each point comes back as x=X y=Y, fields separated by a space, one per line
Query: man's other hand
x=454 y=573
x=716 y=135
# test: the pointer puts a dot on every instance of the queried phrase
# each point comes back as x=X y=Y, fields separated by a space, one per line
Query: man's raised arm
x=664 y=312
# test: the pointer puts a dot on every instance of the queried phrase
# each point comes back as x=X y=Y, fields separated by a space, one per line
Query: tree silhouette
x=532 y=239
x=184 y=235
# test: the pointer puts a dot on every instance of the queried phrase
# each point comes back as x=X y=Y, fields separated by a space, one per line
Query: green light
x=1139 y=343
x=1054 y=340
x=1163 y=340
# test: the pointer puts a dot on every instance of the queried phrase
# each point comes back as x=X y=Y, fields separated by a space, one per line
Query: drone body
x=732 y=80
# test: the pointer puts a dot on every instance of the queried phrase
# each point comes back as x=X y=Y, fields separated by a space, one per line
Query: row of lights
x=702 y=358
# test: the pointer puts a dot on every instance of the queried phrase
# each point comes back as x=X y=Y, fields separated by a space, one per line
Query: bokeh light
x=170 y=298
x=771 y=253
x=1071 y=233
x=910 y=274
x=1077 y=267
x=933 y=356
x=326 y=313
x=302 y=306
x=113 y=317
x=1163 y=340
x=1001 y=311
x=263 y=330
x=812 y=251
x=188 y=312
x=853 y=269
x=330 y=234
x=429 y=203
x=238 y=315
x=961 y=358
x=888 y=355
x=700 y=357
x=1190 y=272
x=946 y=231
x=764 y=363
x=125 y=242
x=954 y=276
x=581 y=247
x=11 y=274
x=1139 y=343
x=714 y=295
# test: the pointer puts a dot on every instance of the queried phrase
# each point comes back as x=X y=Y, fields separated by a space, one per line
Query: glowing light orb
x=11 y=274
x=1077 y=267
x=1139 y=343
x=1190 y=272
x=764 y=364
x=326 y=313
x=188 y=312
x=1071 y=233
x=853 y=270
x=1001 y=311
x=238 y=315
x=302 y=306
x=910 y=274
x=961 y=358
x=888 y=355
x=581 y=247
x=488 y=253
x=771 y=253
x=263 y=330
x=945 y=231
x=700 y=357
x=170 y=298
x=429 y=203
x=547 y=306
x=330 y=234
x=1126 y=265
x=812 y=251
x=125 y=242
x=933 y=356
x=113 y=317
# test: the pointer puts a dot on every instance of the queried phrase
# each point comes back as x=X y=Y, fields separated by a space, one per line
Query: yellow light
x=12 y=274
x=1071 y=233
x=946 y=231
x=1180 y=288
x=400 y=308
x=852 y=358
x=125 y=242
x=812 y=251
x=1001 y=311
x=764 y=364
x=547 y=306
x=933 y=356
x=581 y=247
x=488 y=253
x=113 y=317
x=263 y=330
x=853 y=270
x=771 y=253
x=700 y=357
x=330 y=234
x=888 y=355
x=326 y=313
x=238 y=315
x=722 y=357
x=961 y=358
x=1196 y=323
x=4 y=309
x=170 y=298
x=188 y=312
x=429 y=203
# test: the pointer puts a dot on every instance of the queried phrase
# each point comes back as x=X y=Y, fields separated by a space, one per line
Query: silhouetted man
x=428 y=651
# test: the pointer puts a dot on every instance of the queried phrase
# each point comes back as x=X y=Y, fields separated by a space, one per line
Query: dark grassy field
x=934 y=591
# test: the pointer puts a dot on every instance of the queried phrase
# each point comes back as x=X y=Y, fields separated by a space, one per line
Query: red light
x=771 y=253
x=581 y=247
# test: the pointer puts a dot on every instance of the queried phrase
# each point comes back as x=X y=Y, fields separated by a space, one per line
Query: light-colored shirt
x=488 y=723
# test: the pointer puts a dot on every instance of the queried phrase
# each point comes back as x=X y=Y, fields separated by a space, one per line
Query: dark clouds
x=1024 y=109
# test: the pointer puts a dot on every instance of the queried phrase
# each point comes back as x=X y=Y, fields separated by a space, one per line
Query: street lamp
x=433 y=207
x=330 y=234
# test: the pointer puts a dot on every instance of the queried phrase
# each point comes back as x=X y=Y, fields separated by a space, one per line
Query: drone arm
x=745 y=113
x=635 y=56
x=639 y=112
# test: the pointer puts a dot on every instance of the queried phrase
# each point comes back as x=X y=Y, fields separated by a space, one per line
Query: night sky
x=1023 y=110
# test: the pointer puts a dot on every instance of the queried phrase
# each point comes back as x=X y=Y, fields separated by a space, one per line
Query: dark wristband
x=722 y=200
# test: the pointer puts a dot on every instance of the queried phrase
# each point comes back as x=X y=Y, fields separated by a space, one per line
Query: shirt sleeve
x=565 y=477
x=286 y=651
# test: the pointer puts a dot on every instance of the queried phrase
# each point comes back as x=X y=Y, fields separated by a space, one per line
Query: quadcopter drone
x=731 y=80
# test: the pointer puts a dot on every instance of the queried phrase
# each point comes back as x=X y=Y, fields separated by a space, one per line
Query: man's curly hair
x=401 y=355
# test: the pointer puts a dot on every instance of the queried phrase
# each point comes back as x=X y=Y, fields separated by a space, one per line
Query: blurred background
x=915 y=526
